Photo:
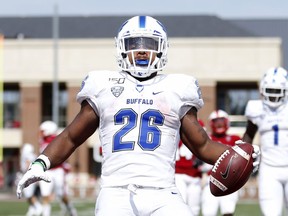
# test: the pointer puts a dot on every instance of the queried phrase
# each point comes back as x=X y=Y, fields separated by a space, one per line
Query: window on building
x=233 y=97
x=10 y=166
x=47 y=103
x=11 y=105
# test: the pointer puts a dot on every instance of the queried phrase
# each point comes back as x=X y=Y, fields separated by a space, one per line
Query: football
x=232 y=170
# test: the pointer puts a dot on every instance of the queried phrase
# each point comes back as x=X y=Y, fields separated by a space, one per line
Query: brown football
x=232 y=170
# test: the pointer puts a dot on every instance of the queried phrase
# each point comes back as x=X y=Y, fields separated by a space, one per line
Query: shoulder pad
x=254 y=108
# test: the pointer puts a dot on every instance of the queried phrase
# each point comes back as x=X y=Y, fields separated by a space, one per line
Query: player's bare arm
x=83 y=126
x=250 y=132
x=197 y=140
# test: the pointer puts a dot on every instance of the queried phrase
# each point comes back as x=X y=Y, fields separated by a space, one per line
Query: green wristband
x=41 y=162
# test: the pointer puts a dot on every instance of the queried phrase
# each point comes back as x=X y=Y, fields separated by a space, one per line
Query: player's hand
x=35 y=173
x=255 y=155
x=256 y=158
x=239 y=142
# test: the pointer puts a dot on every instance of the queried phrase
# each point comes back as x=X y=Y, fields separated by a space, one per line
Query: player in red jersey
x=219 y=124
x=188 y=176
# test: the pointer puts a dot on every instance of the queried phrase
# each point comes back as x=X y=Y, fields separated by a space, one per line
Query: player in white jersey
x=27 y=157
x=270 y=117
x=140 y=115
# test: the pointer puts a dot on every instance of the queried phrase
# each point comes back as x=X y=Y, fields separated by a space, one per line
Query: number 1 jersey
x=273 y=130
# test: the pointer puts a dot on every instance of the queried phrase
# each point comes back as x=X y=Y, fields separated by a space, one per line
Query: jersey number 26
x=149 y=134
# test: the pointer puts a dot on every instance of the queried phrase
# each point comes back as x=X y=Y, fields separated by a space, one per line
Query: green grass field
x=19 y=208
x=86 y=208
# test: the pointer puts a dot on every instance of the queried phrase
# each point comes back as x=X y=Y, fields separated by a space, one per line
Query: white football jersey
x=273 y=130
x=139 y=124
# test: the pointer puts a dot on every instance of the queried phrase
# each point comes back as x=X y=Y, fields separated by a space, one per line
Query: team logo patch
x=117 y=90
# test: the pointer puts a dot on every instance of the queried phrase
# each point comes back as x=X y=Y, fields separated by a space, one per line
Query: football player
x=269 y=116
x=141 y=115
x=219 y=124
x=48 y=131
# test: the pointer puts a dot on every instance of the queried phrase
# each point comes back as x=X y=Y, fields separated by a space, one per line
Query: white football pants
x=133 y=201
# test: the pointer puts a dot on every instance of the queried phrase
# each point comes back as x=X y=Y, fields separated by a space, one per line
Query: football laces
x=222 y=156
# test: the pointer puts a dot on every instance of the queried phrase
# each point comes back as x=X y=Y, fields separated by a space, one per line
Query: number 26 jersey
x=139 y=124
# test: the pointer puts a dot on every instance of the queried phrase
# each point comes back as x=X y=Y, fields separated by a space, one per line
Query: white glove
x=35 y=173
x=256 y=158
x=255 y=155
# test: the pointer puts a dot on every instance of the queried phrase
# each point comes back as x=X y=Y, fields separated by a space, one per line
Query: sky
x=223 y=8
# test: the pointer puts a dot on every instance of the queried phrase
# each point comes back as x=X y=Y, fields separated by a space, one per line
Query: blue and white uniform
x=139 y=128
x=273 y=128
x=273 y=173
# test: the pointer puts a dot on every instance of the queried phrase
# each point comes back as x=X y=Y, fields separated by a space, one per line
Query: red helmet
x=219 y=122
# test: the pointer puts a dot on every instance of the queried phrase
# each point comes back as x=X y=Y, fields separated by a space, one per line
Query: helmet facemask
x=274 y=97
x=142 y=44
